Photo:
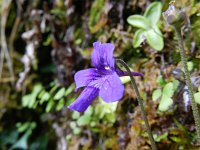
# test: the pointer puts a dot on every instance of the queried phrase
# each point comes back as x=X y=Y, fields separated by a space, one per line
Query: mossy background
x=56 y=37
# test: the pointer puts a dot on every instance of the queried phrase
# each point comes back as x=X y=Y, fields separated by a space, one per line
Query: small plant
x=165 y=95
x=54 y=98
x=148 y=27
x=93 y=115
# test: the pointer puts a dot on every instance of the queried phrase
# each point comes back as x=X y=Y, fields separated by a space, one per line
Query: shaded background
x=43 y=44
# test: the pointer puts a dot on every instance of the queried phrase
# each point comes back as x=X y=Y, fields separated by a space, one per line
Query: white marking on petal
x=107 y=67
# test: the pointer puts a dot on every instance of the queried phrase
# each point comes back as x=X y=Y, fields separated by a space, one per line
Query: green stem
x=153 y=144
x=188 y=81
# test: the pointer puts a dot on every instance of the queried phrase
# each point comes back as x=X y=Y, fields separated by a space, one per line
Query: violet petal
x=84 y=77
x=84 y=99
x=112 y=88
x=102 y=55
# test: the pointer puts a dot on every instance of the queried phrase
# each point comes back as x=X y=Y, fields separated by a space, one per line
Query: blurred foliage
x=54 y=98
x=48 y=41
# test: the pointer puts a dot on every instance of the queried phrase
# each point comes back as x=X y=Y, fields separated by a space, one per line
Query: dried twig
x=16 y=25
x=29 y=57
x=4 y=48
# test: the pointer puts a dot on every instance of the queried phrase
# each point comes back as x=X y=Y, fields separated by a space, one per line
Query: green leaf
x=89 y=111
x=60 y=104
x=46 y=96
x=138 y=38
x=25 y=100
x=49 y=105
x=58 y=12
x=72 y=124
x=41 y=94
x=37 y=88
x=22 y=143
x=23 y=127
x=125 y=79
x=93 y=124
x=75 y=115
x=168 y=89
x=70 y=100
x=161 y=81
x=179 y=140
x=84 y=120
x=161 y=137
x=95 y=12
x=190 y=65
x=30 y=99
x=154 y=39
x=175 y=84
x=70 y=89
x=197 y=97
x=138 y=21
x=109 y=107
x=153 y=12
x=76 y=131
x=99 y=111
x=111 y=117
x=59 y=94
x=48 y=41
x=156 y=94
x=8 y=136
x=165 y=103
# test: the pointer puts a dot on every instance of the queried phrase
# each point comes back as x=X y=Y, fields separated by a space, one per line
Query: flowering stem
x=188 y=80
x=153 y=145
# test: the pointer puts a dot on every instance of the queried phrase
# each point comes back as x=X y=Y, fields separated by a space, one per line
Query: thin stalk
x=153 y=144
x=188 y=81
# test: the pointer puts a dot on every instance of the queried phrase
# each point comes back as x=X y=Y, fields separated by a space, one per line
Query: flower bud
x=173 y=16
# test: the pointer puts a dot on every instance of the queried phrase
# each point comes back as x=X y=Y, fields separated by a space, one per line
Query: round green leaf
x=197 y=97
x=165 y=103
x=138 y=38
x=138 y=21
x=75 y=115
x=72 y=124
x=154 y=39
x=84 y=120
x=168 y=90
x=153 y=12
x=190 y=65
x=76 y=131
x=156 y=94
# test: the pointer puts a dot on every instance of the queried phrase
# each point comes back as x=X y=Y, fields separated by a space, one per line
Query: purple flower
x=103 y=80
